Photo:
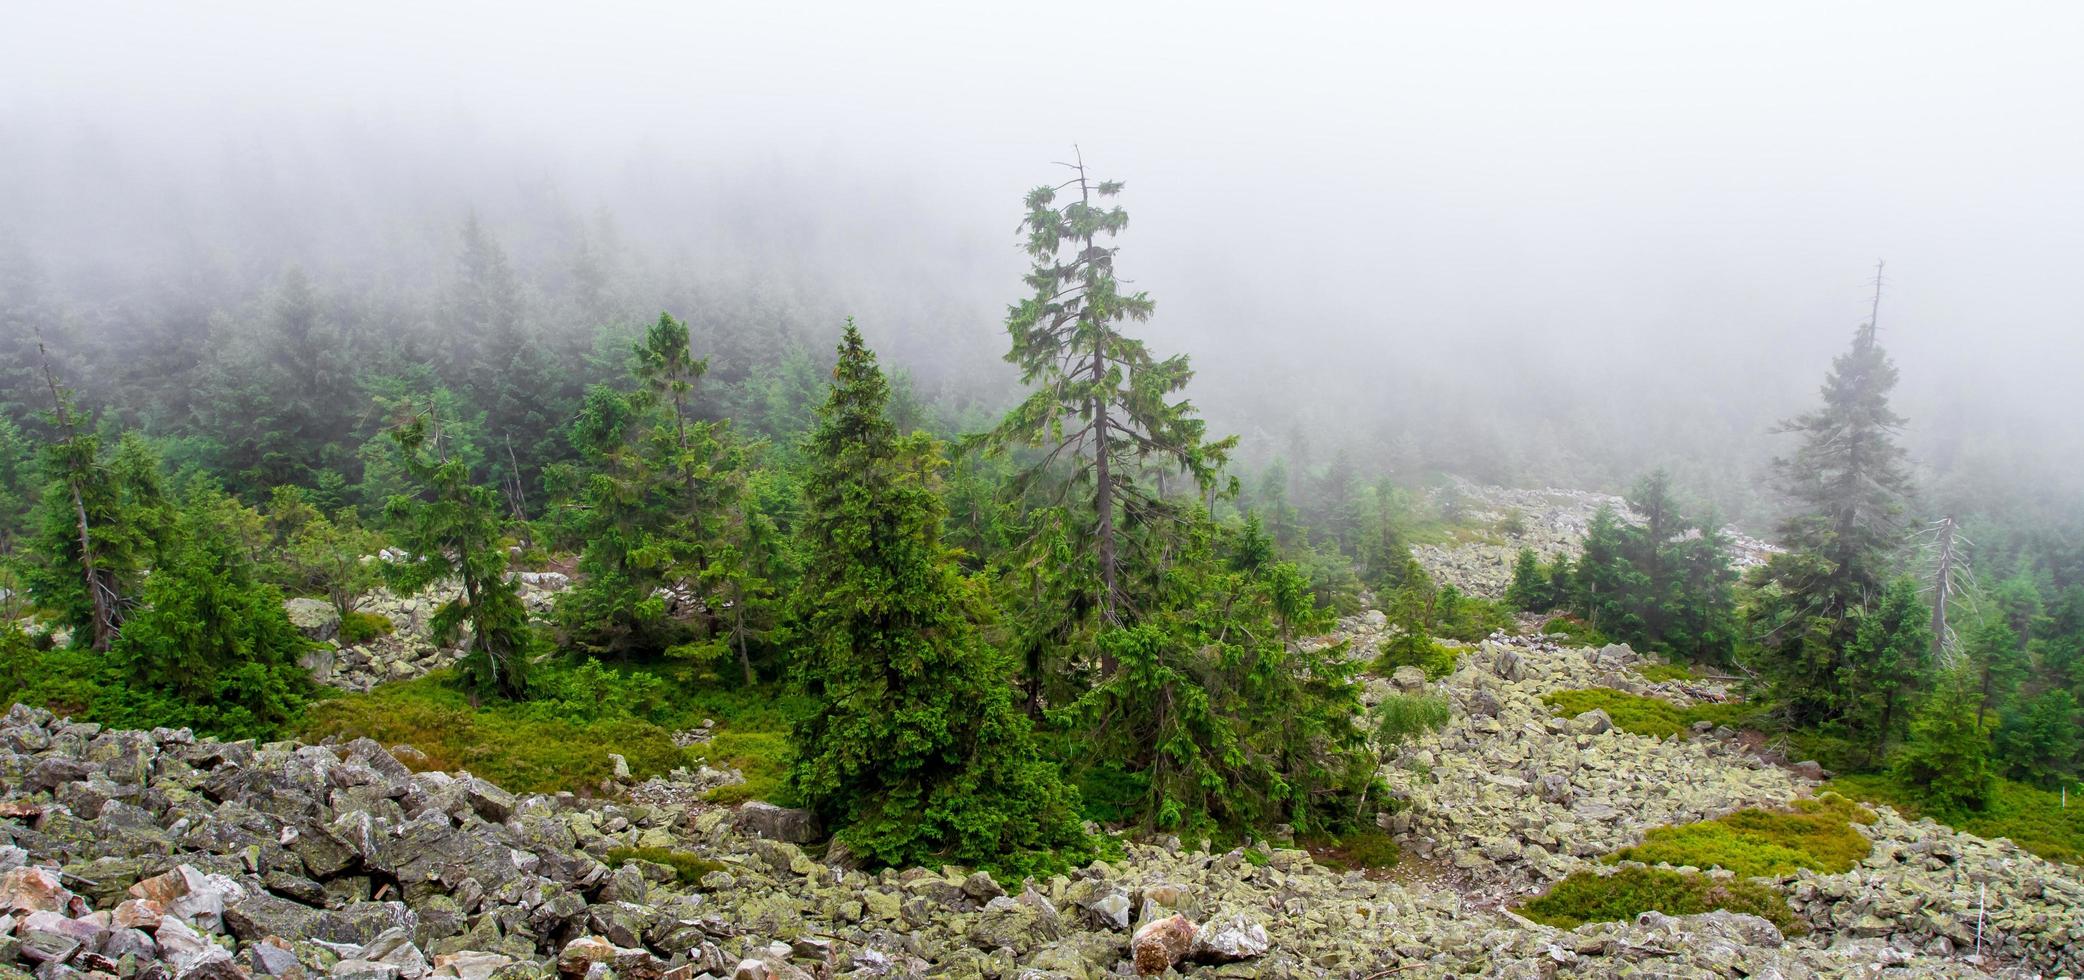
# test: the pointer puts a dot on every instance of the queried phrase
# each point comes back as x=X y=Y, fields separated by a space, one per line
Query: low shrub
x=1587 y=896
x=1659 y=673
x=360 y=627
x=2031 y=817
x=1816 y=834
x=1436 y=659
x=1652 y=717
x=687 y=868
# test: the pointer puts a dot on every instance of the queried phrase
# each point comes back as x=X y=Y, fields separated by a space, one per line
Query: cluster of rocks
x=410 y=649
x=161 y=855
x=1512 y=791
x=1944 y=893
x=1553 y=521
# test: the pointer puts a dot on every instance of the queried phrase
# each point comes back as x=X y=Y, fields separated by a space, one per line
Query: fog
x=1538 y=242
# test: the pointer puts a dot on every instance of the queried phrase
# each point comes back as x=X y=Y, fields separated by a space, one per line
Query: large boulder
x=776 y=823
x=1160 y=943
x=315 y=618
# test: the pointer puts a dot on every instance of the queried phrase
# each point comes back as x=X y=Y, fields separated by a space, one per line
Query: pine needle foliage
x=914 y=748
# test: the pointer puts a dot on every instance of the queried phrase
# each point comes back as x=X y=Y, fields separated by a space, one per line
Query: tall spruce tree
x=1102 y=413
x=1849 y=482
x=915 y=749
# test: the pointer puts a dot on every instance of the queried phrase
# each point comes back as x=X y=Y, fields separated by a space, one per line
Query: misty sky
x=1543 y=203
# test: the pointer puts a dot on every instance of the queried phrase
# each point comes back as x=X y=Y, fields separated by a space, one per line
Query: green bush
x=1653 y=717
x=687 y=868
x=360 y=627
x=763 y=757
x=2031 y=817
x=1621 y=896
x=1815 y=834
x=1436 y=659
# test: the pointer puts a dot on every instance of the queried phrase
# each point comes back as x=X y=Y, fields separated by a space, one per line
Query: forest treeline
x=1001 y=616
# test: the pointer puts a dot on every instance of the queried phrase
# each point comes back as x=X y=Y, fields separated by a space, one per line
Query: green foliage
x=453 y=530
x=208 y=634
x=1816 y=834
x=1531 y=589
x=1588 y=896
x=913 y=748
x=1662 y=584
x=102 y=517
x=1227 y=723
x=2042 y=740
x=1947 y=762
x=688 y=868
x=679 y=560
x=1102 y=418
x=1648 y=716
x=1848 y=481
x=359 y=627
x=1399 y=718
x=1888 y=662
x=314 y=555
x=2032 y=817
x=560 y=739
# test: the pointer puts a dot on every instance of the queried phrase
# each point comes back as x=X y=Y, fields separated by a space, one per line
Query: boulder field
x=166 y=856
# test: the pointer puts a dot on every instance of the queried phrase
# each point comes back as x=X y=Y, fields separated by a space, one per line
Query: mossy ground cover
x=1575 y=630
x=1362 y=850
x=1654 y=717
x=2031 y=817
x=1817 y=834
x=688 y=868
x=1659 y=673
x=1622 y=895
x=563 y=739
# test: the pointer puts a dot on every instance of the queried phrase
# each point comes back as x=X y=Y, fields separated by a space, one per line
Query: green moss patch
x=1653 y=717
x=1659 y=673
x=1815 y=834
x=1621 y=896
x=687 y=868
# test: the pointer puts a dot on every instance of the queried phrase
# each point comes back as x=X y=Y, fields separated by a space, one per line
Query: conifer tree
x=676 y=558
x=1885 y=667
x=1849 y=482
x=452 y=530
x=1947 y=761
x=208 y=632
x=1102 y=404
x=915 y=749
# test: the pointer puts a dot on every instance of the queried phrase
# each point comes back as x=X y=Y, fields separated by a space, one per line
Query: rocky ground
x=1552 y=521
x=410 y=649
x=161 y=855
